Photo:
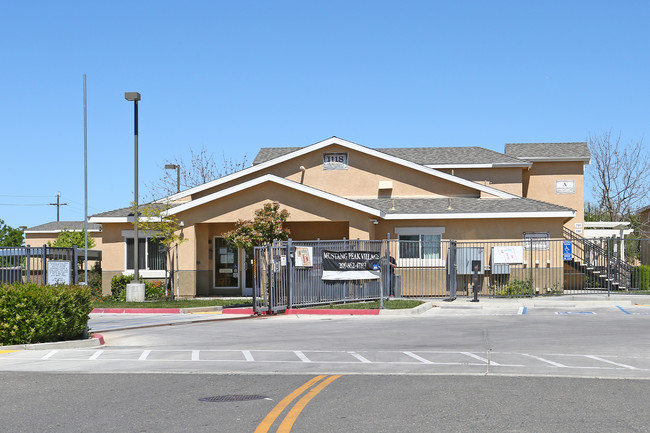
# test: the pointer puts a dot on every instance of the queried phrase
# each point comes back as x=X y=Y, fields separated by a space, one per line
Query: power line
x=24 y=204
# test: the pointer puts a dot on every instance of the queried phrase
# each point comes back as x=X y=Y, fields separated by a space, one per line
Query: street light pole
x=178 y=174
x=135 y=290
x=135 y=97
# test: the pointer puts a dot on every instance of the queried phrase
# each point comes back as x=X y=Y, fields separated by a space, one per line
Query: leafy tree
x=68 y=239
x=9 y=236
x=264 y=228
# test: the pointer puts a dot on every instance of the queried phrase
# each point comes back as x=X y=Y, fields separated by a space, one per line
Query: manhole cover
x=221 y=398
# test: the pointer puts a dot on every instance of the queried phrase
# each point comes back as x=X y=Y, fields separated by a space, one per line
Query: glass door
x=226 y=264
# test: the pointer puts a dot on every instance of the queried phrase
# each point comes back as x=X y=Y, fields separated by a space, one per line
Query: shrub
x=30 y=313
x=118 y=286
x=153 y=290
x=513 y=289
x=641 y=277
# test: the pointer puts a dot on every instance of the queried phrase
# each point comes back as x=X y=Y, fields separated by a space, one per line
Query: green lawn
x=395 y=304
x=186 y=303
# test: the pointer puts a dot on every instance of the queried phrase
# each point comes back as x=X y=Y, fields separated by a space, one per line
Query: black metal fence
x=40 y=265
x=436 y=268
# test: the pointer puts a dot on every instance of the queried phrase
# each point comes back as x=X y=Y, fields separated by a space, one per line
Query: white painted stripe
x=50 y=354
x=248 y=355
x=419 y=358
x=597 y=358
x=302 y=356
x=480 y=358
x=553 y=363
x=521 y=310
x=195 y=355
x=96 y=355
x=360 y=358
x=144 y=355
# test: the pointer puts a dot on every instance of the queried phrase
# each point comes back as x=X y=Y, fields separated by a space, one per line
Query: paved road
x=71 y=403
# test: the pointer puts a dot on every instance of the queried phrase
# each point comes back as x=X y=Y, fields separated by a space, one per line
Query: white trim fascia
x=495 y=165
x=555 y=159
x=111 y=219
x=455 y=216
x=349 y=145
x=28 y=232
x=280 y=181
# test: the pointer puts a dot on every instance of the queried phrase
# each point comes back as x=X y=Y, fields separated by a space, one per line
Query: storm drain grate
x=223 y=398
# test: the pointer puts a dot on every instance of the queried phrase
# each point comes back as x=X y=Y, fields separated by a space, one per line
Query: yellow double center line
x=293 y=414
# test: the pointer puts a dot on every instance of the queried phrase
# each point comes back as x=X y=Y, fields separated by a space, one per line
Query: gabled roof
x=125 y=214
x=576 y=151
x=466 y=207
x=350 y=145
x=448 y=157
x=432 y=157
x=279 y=181
x=59 y=226
x=385 y=208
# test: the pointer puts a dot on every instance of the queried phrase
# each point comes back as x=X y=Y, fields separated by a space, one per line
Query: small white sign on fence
x=58 y=272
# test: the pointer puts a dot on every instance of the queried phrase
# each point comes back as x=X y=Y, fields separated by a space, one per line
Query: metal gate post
x=44 y=266
x=28 y=259
x=270 y=271
x=290 y=255
x=452 y=270
x=609 y=268
x=74 y=265
x=530 y=265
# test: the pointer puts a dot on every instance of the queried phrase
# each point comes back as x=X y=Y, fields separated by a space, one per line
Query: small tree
x=164 y=228
x=9 y=236
x=68 y=239
x=265 y=227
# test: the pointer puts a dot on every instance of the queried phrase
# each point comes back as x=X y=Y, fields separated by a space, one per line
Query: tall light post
x=178 y=174
x=136 y=286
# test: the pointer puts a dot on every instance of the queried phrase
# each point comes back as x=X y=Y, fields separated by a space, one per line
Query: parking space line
x=539 y=358
x=360 y=358
x=475 y=356
x=196 y=355
x=302 y=356
x=419 y=358
x=96 y=355
x=597 y=358
x=50 y=354
x=144 y=355
x=248 y=356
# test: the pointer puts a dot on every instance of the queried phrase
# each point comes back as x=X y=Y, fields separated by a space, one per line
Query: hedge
x=30 y=313
x=154 y=290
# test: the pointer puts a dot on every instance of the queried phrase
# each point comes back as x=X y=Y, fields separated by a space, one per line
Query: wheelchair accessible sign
x=567 y=250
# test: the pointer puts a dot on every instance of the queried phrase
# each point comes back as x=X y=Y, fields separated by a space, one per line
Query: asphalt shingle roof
x=418 y=155
x=579 y=150
x=460 y=205
x=61 y=225
x=126 y=211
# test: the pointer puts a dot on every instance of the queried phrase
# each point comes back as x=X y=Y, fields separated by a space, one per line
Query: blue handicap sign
x=567 y=250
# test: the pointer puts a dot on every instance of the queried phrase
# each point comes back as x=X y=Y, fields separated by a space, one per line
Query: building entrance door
x=226 y=264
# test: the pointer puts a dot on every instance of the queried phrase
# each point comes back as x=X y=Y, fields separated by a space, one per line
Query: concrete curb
x=409 y=312
x=96 y=341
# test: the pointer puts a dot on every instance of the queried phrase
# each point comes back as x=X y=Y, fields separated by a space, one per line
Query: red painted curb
x=237 y=311
x=137 y=310
x=348 y=312
x=99 y=337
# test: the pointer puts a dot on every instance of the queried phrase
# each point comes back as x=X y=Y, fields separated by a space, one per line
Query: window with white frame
x=152 y=254
x=420 y=246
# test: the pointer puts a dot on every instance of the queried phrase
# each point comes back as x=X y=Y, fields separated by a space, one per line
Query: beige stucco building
x=337 y=189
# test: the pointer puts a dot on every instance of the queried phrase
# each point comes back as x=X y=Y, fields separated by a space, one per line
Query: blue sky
x=237 y=76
